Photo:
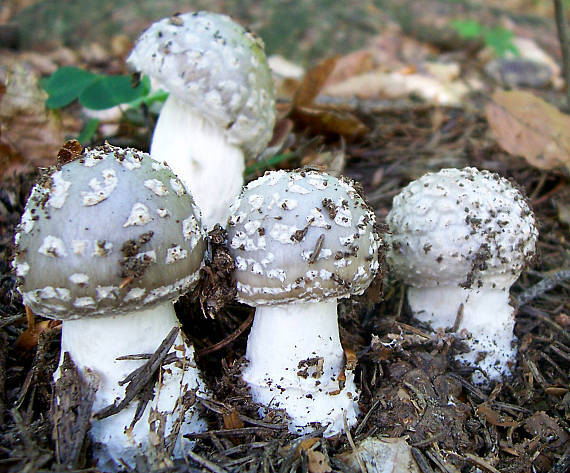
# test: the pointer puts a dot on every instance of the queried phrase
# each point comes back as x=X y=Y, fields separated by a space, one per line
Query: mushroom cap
x=108 y=233
x=460 y=227
x=301 y=236
x=217 y=67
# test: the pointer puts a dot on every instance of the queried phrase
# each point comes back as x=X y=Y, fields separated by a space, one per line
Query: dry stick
x=226 y=341
x=143 y=374
x=206 y=463
x=549 y=282
x=562 y=29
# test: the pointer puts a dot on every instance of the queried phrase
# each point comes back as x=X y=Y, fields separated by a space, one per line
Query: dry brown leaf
x=318 y=462
x=393 y=85
x=495 y=418
x=352 y=64
x=313 y=82
x=328 y=120
x=29 y=133
x=232 y=419
x=526 y=125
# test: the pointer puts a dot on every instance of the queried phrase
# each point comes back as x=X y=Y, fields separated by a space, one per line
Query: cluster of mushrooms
x=110 y=240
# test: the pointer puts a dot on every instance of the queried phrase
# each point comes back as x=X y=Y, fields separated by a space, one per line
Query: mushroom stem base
x=486 y=320
x=296 y=364
x=201 y=156
x=94 y=344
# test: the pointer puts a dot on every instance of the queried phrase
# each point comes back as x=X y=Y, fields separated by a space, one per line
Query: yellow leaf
x=526 y=125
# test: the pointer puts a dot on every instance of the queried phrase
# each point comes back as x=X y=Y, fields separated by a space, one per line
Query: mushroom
x=220 y=108
x=106 y=244
x=301 y=240
x=460 y=239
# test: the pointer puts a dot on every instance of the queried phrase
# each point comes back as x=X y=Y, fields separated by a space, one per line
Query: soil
x=410 y=385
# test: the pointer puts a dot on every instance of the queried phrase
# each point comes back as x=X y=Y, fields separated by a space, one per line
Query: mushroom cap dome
x=217 y=67
x=110 y=232
x=460 y=227
x=301 y=236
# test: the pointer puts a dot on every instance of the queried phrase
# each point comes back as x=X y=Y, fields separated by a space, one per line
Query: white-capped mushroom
x=300 y=241
x=220 y=108
x=460 y=239
x=106 y=244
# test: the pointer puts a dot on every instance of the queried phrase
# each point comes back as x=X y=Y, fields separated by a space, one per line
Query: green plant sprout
x=96 y=92
x=497 y=38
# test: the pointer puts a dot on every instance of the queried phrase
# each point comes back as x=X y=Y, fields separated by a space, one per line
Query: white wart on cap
x=107 y=243
x=301 y=240
x=462 y=238
x=221 y=105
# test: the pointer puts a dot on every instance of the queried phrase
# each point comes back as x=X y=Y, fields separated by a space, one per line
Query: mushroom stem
x=201 y=156
x=304 y=365
x=95 y=344
x=486 y=316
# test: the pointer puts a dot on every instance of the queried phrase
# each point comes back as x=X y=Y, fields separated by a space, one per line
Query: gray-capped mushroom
x=220 y=108
x=300 y=241
x=106 y=244
x=460 y=239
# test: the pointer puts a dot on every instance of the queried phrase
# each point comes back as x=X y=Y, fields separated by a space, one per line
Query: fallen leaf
x=318 y=462
x=548 y=428
x=313 y=82
x=526 y=125
x=28 y=339
x=352 y=64
x=31 y=135
x=495 y=418
x=329 y=120
x=393 y=85
x=386 y=455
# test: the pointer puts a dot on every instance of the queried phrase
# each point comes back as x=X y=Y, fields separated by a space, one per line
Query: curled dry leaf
x=526 y=125
x=318 y=462
x=323 y=119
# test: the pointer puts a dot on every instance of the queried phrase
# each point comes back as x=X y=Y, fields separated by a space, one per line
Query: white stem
x=95 y=344
x=295 y=359
x=200 y=155
x=486 y=316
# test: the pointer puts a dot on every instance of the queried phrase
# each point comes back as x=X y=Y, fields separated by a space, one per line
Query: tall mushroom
x=300 y=241
x=460 y=239
x=220 y=108
x=106 y=244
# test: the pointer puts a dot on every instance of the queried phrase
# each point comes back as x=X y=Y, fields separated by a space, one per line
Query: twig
x=143 y=376
x=421 y=461
x=229 y=339
x=206 y=463
x=543 y=286
x=481 y=463
x=562 y=29
x=366 y=417
x=544 y=317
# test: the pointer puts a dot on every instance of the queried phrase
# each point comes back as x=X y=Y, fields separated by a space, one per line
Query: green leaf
x=66 y=84
x=88 y=131
x=501 y=40
x=109 y=91
x=467 y=28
